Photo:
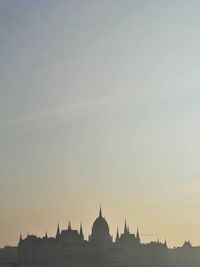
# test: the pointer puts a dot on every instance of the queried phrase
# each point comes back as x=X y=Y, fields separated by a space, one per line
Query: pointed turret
x=20 y=238
x=81 y=232
x=58 y=231
x=165 y=243
x=69 y=225
x=117 y=236
x=125 y=228
x=100 y=212
x=46 y=236
x=138 y=236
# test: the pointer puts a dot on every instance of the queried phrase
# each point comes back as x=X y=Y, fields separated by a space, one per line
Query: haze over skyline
x=99 y=103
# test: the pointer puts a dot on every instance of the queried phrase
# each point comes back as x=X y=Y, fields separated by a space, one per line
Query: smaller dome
x=187 y=244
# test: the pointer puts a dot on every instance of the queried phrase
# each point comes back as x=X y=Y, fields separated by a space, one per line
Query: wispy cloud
x=65 y=113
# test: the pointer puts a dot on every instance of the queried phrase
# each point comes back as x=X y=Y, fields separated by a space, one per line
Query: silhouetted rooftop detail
x=69 y=225
x=81 y=232
x=58 y=231
x=100 y=212
x=125 y=228
x=117 y=236
x=69 y=248
x=138 y=235
x=187 y=244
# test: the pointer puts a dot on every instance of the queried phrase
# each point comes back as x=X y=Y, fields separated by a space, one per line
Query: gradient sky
x=100 y=103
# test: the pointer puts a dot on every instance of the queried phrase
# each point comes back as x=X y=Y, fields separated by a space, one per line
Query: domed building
x=100 y=232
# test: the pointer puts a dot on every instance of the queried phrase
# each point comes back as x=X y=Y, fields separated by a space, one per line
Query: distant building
x=69 y=249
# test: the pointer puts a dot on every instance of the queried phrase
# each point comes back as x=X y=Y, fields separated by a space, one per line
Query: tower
x=81 y=233
x=20 y=238
x=58 y=231
x=125 y=228
x=117 y=236
x=100 y=212
x=69 y=226
x=138 y=236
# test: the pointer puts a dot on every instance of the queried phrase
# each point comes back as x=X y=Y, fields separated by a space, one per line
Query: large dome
x=100 y=231
x=100 y=226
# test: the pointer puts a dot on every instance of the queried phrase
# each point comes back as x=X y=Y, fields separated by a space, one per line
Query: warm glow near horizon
x=100 y=103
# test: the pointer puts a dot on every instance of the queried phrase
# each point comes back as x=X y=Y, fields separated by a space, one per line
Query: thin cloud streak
x=66 y=113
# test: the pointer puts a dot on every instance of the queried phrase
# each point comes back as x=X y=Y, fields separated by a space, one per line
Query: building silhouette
x=70 y=249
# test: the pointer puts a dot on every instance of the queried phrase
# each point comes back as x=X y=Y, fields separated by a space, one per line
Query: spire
x=165 y=243
x=128 y=230
x=69 y=225
x=58 y=231
x=100 y=212
x=138 y=236
x=81 y=232
x=20 y=238
x=125 y=228
x=117 y=236
x=46 y=236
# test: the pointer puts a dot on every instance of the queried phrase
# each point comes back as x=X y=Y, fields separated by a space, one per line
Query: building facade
x=69 y=249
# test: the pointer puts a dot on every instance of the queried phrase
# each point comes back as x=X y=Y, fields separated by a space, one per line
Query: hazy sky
x=100 y=103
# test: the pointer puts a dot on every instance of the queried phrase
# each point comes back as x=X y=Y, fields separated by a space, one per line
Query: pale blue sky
x=100 y=102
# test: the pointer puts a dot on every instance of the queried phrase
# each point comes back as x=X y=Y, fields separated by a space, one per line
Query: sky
x=100 y=104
